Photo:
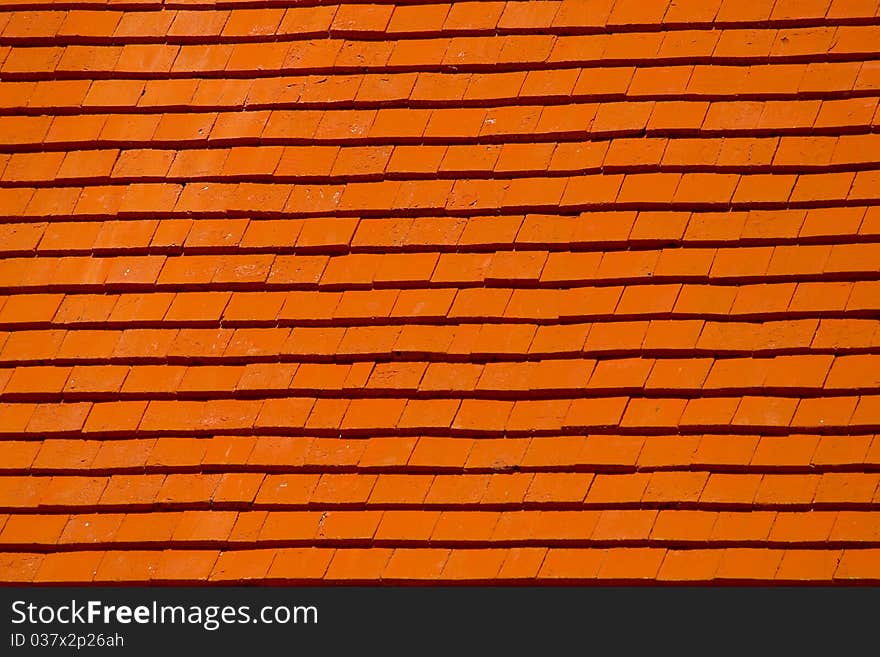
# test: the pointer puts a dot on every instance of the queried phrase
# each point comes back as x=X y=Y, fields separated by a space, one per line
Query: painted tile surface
x=512 y=292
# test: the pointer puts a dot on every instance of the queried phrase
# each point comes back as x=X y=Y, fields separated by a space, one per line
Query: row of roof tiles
x=638 y=491
x=392 y=20
x=758 y=230
x=596 y=453
x=362 y=416
x=475 y=341
x=430 y=565
x=468 y=196
x=722 y=46
x=815 y=372
x=339 y=165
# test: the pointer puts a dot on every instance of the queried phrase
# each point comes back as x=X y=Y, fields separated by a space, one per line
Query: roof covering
x=513 y=292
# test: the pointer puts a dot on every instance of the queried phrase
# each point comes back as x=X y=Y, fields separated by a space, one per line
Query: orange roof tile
x=474 y=292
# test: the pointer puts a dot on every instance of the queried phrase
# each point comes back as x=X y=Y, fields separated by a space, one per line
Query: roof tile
x=601 y=264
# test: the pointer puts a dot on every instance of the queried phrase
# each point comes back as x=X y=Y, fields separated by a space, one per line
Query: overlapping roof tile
x=479 y=292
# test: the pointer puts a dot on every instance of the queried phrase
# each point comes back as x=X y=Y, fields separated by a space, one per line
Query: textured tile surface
x=516 y=292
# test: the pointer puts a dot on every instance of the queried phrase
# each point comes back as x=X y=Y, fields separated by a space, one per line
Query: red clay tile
x=694 y=236
x=60 y=567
